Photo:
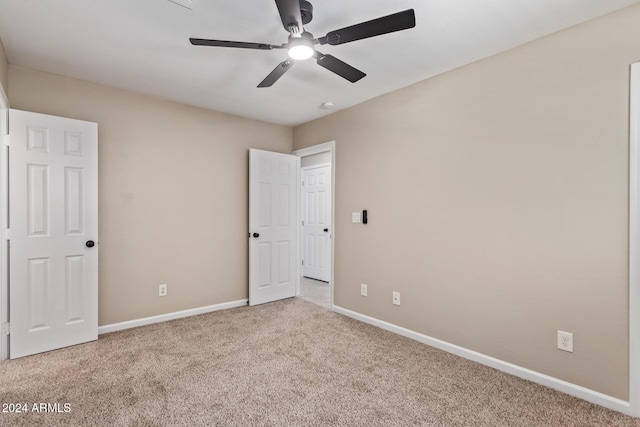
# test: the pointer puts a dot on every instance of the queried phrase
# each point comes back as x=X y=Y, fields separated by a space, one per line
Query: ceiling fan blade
x=277 y=72
x=342 y=69
x=290 y=15
x=226 y=43
x=387 y=24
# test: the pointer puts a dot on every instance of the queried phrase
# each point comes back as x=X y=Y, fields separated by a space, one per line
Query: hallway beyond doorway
x=315 y=291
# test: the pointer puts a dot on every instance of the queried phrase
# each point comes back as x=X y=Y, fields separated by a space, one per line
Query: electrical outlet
x=396 y=298
x=363 y=289
x=162 y=290
x=565 y=341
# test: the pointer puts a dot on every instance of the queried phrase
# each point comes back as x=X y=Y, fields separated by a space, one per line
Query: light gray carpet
x=285 y=363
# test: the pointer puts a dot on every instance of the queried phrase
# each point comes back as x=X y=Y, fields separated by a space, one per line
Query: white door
x=53 y=203
x=272 y=226
x=316 y=214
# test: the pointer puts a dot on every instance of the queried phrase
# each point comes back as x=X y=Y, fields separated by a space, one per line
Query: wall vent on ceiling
x=184 y=3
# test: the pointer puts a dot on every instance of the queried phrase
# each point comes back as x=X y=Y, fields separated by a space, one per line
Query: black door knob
x=256 y=235
x=90 y=243
x=326 y=230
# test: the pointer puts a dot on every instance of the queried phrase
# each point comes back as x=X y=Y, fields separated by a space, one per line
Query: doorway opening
x=316 y=211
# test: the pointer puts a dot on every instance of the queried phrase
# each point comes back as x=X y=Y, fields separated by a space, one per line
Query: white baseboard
x=169 y=316
x=527 y=374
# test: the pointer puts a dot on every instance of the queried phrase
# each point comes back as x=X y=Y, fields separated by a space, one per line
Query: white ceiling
x=143 y=46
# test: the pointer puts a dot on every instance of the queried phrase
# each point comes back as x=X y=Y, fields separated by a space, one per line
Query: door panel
x=272 y=225
x=74 y=203
x=53 y=203
x=38 y=290
x=38 y=200
x=317 y=213
x=74 y=288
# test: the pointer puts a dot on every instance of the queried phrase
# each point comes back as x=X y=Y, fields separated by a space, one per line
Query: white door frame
x=4 y=206
x=304 y=152
x=634 y=243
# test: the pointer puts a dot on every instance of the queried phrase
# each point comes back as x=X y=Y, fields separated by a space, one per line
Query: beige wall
x=497 y=198
x=4 y=70
x=172 y=193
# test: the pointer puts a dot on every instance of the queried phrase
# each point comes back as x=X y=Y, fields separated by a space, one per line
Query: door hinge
x=303 y=183
x=302 y=262
x=303 y=222
x=6 y=328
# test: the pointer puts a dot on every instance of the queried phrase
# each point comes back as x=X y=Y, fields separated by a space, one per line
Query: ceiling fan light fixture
x=300 y=49
x=294 y=14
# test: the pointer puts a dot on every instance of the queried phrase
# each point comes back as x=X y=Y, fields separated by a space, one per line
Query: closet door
x=53 y=204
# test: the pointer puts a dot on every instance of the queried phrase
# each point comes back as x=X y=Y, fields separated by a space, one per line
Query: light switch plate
x=355 y=217
x=363 y=289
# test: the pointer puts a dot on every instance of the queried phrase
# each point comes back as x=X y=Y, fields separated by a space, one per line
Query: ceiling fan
x=295 y=14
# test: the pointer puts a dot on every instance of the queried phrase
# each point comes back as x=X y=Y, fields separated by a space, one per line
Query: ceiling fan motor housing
x=306 y=11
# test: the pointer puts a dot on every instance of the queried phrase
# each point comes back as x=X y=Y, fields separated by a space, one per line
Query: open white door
x=316 y=214
x=272 y=226
x=53 y=203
